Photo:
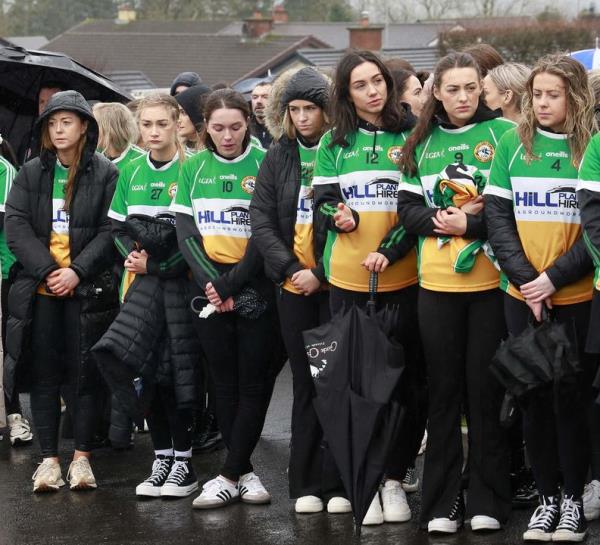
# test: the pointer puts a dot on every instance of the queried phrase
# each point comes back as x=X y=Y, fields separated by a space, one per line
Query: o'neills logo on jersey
x=558 y=197
x=234 y=215
x=173 y=190
x=379 y=188
x=394 y=154
x=484 y=152
x=248 y=184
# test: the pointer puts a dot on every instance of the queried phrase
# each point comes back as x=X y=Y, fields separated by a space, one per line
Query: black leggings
x=555 y=430
x=239 y=353
x=170 y=427
x=312 y=470
x=12 y=406
x=413 y=385
x=461 y=332
x=56 y=360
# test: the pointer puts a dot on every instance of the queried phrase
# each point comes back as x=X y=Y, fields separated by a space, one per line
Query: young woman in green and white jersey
x=146 y=187
x=535 y=231
x=213 y=229
x=460 y=313
x=118 y=133
x=355 y=183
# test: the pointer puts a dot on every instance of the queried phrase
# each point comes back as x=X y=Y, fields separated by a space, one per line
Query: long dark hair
x=432 y=107
x=344 y=117
x=224 y=98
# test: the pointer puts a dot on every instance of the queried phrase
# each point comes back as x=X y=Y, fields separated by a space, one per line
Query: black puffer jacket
x=28 y=224
x=273 y=213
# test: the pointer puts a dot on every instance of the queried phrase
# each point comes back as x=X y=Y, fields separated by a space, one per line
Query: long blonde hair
x=580 y=123
x=117 y=126
x=74 y=166
x=172 y=107
x=511 y=76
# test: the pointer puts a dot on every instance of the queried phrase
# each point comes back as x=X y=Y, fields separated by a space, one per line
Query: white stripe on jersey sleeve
x=411 y=188
x=116 y=216
x=181 y=209
x=324 y=180
x=498 y=192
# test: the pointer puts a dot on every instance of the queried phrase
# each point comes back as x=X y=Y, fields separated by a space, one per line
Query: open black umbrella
x=356 y=368
x=23 y=73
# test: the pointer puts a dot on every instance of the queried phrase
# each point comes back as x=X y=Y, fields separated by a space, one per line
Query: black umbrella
x=248 y=303
x=23 y=73
x=541 y=354
x=356 y=368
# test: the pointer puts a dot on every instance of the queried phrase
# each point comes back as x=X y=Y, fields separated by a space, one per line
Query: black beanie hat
x=191 y=100
x=185 y=78
x=307 y=84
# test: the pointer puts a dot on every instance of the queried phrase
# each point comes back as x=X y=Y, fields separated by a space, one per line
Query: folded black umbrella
x=356 y=367
x=248 y=303
x=155 y=234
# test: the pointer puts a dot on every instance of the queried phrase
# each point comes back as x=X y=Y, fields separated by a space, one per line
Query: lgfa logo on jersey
x=173 y=190
x=248 y=184
x=484 y=152
x=394 y=154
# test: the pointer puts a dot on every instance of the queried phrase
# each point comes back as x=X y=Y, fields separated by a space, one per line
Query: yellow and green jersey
x=216 y=192
x=589 y=181
x=366 y=176
x=143 y=188
x=7 y=175
x=475 y=145
x=60 y=248
x=544 y=202
x=303 y=231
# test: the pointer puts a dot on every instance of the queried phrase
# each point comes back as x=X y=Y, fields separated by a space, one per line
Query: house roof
x=144 y=26
x=422 y=58
x=337 y=35
x=29 y=42
x=161 y=55
x=131 y=80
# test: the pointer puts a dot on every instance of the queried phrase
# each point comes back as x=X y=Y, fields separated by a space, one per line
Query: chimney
x=365 y=35
x=280 y=15
x=257 y=26
x=126 y=14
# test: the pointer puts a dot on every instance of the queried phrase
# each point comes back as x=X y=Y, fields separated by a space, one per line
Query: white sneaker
x=338 y=505
x=374 y=514
x=252 y=490
x=80 y=475
x=483 y=523
x=395 y=506
x=47 y=477
x=19 y=429
x=216 y=493
x=591 y=500
x=309 y=504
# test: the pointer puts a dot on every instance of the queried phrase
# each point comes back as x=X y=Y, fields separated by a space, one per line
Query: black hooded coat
x=28 y=224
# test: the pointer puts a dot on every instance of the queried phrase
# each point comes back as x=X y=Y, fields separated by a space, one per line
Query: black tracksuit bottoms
x=412 y=392
x=56 y=361
x=170 y=427
x=312 y=470
x=239 y=355
x=556 y=430
x=12 y=405
x=461 y=332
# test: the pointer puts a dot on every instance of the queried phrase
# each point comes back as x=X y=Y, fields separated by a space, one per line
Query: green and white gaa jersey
x=543 y=196
x=473 y=145
x=367 y=174
x=130 y=153
x=145 y=189
x=217 y=193
x=7 y=175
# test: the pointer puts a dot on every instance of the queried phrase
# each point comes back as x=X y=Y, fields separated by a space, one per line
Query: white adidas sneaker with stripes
x=252 y=490
x=218 y=492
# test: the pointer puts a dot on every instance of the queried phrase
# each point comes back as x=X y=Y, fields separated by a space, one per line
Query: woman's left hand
x=452 y=221
x=539 y=289
x=305 y=281
x=137 y=262
x=62 y=282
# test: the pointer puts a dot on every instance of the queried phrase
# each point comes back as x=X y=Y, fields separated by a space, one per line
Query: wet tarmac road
x=113 y=515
